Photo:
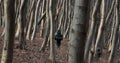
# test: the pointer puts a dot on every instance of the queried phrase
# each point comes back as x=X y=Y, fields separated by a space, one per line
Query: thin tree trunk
x=47 y=26
x=31 y=14
x=30 y=27
x=91 y=32
x=35 y=20
x=52 y=12
x=115 y=35
x=22 y=23
x=100 y=29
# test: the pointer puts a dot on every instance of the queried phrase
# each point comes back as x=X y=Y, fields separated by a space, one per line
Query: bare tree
x=22 y=23
x=115 y=34
x=78 y=32
x=52 y=14
x=91 y=31
x=9 y=15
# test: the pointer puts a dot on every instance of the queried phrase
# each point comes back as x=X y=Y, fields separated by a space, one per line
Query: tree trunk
x=35 y=20
x=52 y=13
x=9 y=15
x=22 y=23
x=91 y=32
x=115 y=35
x=78 y=32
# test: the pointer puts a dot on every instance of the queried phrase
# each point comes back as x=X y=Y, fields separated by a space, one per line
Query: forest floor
x=32 y=54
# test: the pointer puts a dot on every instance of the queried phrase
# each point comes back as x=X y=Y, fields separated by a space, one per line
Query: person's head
x=59 y=31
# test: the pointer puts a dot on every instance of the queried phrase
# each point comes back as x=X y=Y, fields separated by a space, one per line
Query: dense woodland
x=60 y=31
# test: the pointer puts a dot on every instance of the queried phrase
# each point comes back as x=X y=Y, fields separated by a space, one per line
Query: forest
x=60 y=31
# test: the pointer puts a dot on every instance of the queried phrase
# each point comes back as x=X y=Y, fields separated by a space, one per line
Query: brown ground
x=32 y=54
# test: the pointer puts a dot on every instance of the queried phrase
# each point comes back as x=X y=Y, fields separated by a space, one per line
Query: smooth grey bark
x=9 y=15
x=35 y=20
x=91 y=31
x=47 y=32
x=22 y=24
x=78 y=32
x=52 y=14
x=115 y=34
x=100 y=30
x=31 y=14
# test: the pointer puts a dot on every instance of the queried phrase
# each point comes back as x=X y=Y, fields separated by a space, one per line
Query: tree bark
x=115 y=35
x=9 y=15
x=52 y=12
x=78 y=32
